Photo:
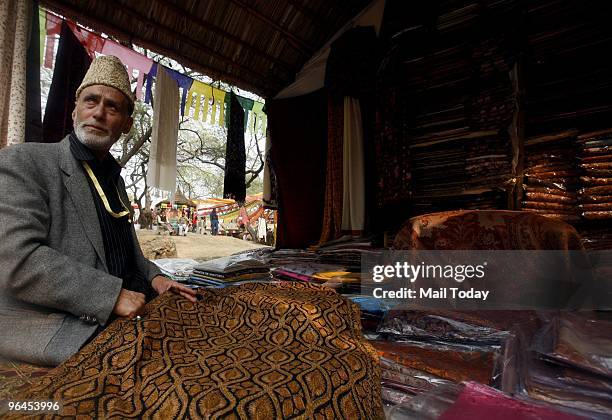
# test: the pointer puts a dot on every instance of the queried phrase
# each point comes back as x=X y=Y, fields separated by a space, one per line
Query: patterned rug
x=257 y=351
x=16 y=377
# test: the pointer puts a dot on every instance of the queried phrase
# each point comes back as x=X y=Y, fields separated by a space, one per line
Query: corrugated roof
x=257 y=45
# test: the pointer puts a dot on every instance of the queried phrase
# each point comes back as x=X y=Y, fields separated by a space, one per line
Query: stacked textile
x=551 y=177
x=567 y=362
x=333 y=276
x=595 y=196
x=461 y=173
x=232 y=270
x=288 y=256
x=178 y=269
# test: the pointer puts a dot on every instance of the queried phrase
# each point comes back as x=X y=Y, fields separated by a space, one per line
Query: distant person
x=214 y=222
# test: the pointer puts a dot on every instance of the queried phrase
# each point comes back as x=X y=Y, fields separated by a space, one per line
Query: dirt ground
x=202 y=247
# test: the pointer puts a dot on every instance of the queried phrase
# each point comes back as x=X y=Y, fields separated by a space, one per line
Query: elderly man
x=69 y=258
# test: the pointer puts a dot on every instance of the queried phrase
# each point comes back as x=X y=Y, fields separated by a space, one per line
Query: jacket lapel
x=81 y=196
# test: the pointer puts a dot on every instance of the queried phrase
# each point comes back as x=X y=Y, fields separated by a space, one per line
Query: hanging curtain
x=162 y=160
x=332 y=212
x=33 y=124
x=298 y=128
x=15 y=17
x=71 y=64
x=353 y=203
x=270 y=186
x=235 y=155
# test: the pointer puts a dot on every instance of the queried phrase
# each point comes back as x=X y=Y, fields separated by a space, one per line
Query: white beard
x=91 y=140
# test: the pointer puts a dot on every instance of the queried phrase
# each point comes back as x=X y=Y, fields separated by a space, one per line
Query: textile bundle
x=254 y=351
x=443 y=115
x=595 y=196
x=565 y=362
x=551 y=176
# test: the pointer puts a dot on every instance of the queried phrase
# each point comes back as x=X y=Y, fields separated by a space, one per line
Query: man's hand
x=129 y=303
x=162 y=284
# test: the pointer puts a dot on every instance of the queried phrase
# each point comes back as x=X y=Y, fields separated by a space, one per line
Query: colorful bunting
x=209 y=104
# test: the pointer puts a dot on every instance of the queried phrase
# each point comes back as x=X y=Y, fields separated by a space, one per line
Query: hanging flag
x=202 y=98
x=247 y=105
x=198 y=97
x=218 y=103
x=184 y=82
x=132 y=60
x=259 y=120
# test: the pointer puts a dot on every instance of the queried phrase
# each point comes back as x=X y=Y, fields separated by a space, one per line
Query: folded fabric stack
x=568 y=363
x=551 y=177
x=289 y=256
x=178 y=269
x=232 y=270
x=595 y=194
x=461 y=173
x=303 y=271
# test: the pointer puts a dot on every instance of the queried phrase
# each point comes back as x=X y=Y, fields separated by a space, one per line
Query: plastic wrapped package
x=549 y=197
x=528 y=373
x=450 y=362
x=580 y=341
x=373 y=310
x=487 y=327
x=561 y=386
x=598 y=190
x=474 y=401
x=547 y=205
x=416 y=379
x=532 y=182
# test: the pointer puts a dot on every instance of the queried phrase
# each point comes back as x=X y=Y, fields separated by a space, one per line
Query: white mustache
x=85 y=124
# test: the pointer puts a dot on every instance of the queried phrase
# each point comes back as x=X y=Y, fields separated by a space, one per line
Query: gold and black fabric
x=257 y=351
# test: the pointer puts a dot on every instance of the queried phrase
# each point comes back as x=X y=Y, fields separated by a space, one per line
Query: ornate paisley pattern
x=486 y=230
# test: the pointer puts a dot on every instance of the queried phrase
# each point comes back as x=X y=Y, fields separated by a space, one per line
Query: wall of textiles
x=496 y=105
x=568 y=116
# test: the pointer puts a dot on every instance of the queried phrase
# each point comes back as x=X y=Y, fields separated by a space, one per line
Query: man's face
x=100 y=116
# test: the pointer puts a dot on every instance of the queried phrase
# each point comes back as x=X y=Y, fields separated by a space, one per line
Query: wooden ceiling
x=257 y=45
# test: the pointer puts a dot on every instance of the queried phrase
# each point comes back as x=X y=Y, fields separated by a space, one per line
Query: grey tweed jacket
x=54 y=284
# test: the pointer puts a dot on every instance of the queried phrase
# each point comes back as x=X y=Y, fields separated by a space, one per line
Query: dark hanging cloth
x=352 y=62
x=71 y=64
x=33 y=126
x=332 y=211
x=234 y=185
x=298 y=130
